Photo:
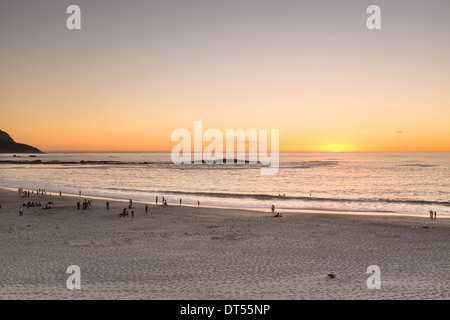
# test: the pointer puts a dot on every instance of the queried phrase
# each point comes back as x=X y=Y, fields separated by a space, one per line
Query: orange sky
x=313 y=72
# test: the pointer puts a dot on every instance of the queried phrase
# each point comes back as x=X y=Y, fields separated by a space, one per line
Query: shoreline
x=250 y=209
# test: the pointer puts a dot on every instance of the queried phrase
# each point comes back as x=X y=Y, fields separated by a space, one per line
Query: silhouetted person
x=146 y=209
x=107 y=205
x=273 y=208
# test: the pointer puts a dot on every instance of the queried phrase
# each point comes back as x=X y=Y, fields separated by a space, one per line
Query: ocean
x=412 y=183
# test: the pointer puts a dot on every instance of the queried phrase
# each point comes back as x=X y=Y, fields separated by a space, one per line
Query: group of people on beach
x=125 y=211
x=32 y=204
x=87 y=204
x=164 y=201
x=28 y=193
x=273 y=211
x=47 y=206
x=433 y=214
x=25 y=193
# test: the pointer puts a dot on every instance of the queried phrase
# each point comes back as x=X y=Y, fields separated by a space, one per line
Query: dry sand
x=180 y=252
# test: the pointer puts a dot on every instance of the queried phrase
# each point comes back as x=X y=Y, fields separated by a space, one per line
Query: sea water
x=366 y=182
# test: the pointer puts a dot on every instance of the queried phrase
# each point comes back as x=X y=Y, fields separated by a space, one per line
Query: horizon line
x=289 y=151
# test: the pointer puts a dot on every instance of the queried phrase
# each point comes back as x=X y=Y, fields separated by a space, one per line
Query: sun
x=335 y=148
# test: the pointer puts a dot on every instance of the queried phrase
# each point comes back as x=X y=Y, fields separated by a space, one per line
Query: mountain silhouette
x=8 y=145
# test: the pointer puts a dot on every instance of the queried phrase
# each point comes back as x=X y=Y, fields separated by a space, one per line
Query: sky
x=138 y=70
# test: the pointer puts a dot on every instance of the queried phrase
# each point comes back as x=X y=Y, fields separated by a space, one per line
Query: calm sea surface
x=372 y=182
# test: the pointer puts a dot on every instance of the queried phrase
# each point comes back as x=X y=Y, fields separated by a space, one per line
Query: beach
x=189 y=252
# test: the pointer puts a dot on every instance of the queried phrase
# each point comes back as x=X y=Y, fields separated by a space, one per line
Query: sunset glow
x=316 y=73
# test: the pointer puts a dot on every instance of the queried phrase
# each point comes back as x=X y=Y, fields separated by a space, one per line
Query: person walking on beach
x=146 y=209
x=79 y=193
x=60 y=193
x=156 y=199
x=180 y=201
x=131 y=204
x=431 y=214
x=107 y=205
x=435 y=214
x=20 y=211
x=198 y=203
x=273 y=208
